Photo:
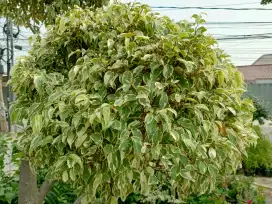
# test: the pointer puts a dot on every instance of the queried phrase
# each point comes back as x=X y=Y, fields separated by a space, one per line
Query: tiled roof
x=264 y=59
x=256 y=72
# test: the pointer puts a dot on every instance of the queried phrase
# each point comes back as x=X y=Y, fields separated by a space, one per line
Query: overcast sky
x=243 y=52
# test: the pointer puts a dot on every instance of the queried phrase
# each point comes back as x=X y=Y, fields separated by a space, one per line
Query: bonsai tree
x=121 y=100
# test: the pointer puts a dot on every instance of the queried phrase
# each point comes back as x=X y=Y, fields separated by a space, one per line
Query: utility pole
x=11 y=95
x=9 y=34
x=8 y=30
x=11 y=42
x=3 y=120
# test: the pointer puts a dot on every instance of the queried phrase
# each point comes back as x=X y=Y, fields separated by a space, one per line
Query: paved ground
x=266 y=183
x=266 y=128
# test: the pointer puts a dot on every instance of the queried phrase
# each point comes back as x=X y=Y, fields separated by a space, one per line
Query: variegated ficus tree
x=121 y=100
x=35 y=13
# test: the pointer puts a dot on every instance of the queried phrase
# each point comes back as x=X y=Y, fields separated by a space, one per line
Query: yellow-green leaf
x=65 y=176
x=36 y=123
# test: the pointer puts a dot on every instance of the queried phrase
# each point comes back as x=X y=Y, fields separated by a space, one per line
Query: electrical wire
x=239 y=28
x=209 y=8
x=244 y=38
x=255 y=34
x=234 y=4
x=224 y=5
x=237 y=22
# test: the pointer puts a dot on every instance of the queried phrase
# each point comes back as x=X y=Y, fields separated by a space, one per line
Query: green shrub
x=61 y=193
x=259 y=156
x=207 y=199
x=261 y=111
x=234 y=189
x=9 y=176
x=121 y=100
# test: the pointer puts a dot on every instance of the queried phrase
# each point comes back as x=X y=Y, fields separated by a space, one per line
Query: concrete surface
x=266 y=184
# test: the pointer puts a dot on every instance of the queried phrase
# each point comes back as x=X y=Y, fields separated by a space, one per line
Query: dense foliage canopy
x=32 y=14
x=122 y=100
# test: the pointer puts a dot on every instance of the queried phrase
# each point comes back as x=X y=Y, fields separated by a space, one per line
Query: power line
x=239 y=35
x=248 y=35
x=255 y=23
x=251 y=49
x=209 y=8
x=222 y=5
x=244 y=38
x=239 y=28
x=234 y=4
x=238 y=22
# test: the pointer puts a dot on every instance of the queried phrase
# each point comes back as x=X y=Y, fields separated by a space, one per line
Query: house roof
x=256 y=72
x=264 y=59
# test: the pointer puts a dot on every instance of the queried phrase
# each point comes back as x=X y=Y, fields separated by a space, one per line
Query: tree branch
x=78 y=200
x=44 y=189
x=34 y=29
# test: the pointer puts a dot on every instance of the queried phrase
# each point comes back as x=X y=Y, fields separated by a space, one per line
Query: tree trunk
x=28 y=191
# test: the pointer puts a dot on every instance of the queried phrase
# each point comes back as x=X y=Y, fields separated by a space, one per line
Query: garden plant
x=119 y=99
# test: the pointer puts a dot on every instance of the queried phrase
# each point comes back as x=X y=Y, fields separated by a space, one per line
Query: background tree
x=121 y=100
x=264 y=2
x=32 y=14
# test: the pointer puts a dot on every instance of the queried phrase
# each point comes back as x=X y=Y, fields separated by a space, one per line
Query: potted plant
x=268 y=172
x=259 y=158
x=250 y=164
x=264 y=149
x=260 y=171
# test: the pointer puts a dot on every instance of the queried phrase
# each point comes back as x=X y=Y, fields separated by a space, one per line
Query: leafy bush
x=121 y=100
x=240 y=189
x=259 y=156
x=261 y=111
x=9 y=166
x=234 y=189
x=10 y=159
x=61 y=193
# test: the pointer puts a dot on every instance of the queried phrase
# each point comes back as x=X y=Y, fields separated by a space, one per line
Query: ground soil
x=266 y=183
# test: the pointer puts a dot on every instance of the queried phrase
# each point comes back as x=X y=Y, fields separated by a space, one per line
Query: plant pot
x=260 y=171
x=240 y=171
x=268 y=172
x=249 y=172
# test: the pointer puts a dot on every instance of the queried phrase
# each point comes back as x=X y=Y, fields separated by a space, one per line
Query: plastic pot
x=240 y=171
x=260 y=171
x=249 y=172
x=268 y=172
